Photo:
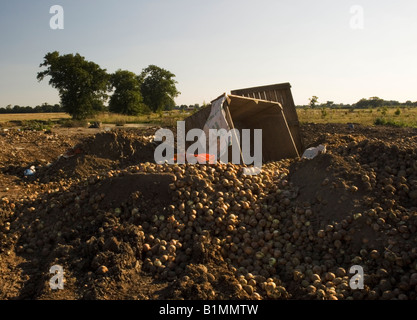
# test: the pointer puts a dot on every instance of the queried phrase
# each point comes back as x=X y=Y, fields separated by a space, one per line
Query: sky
x=339 y=51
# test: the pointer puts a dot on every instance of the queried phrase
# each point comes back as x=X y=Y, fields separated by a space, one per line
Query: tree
x=373 y=102
x=329 y=104
x=127 y=98
x=376 y=102
x=362 y=103
x=313 y=101
x=158 y=88
x=82 y=84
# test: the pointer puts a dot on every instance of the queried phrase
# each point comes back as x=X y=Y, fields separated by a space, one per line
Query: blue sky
x=220 y=45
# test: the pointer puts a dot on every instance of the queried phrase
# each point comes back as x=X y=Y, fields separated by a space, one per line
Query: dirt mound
x=387 y=165
x=332 y=185
x=151 y=231
x=90 y=231
x=313 y=132
x=102 y=152
x=20 y=150
x=124 y=146
x=207 y=282
x=149 y=187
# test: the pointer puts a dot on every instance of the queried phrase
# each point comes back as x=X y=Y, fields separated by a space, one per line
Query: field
x=405 y=117
x=122 y=227
x=19 y=117
x=400 y=117
x=63 y=119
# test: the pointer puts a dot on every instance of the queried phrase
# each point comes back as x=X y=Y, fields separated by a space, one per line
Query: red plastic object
x=201 y=157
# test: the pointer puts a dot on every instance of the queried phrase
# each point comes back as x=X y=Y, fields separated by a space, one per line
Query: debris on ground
x=312 y=152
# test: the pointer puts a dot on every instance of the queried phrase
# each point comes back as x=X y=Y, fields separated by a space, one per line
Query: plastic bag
x=30 y=172
x=313 y=152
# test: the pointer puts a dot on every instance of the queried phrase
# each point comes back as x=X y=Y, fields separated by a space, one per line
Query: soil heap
x=132 y=229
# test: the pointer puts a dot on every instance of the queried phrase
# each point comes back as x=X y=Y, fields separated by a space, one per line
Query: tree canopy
x=45 y=107
x=83 y=87
x=373 y=102
x=82 y=84
x=158 y=88
x=127 y=97
x=313 y=101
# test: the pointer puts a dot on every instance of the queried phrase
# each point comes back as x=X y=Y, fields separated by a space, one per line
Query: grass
x=36 y=120
x=400 y=117
x=167 y=118
x=391 y=122
x=15 y=117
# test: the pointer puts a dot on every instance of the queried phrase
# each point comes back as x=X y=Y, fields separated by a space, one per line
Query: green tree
x=158 y=88
x=127 y=98
x=373 y=102
x=376 y=102
x=313 y=101
x=82 y=84
x=363 y=103
x=329 y=104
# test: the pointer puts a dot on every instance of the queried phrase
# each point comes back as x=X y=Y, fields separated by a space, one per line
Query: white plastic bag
x=30 y=172
x=312 y=152
x=217 y=120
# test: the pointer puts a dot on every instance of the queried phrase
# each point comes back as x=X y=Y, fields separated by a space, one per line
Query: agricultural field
x=400 y=117
x=49 y=120
x=19 y=117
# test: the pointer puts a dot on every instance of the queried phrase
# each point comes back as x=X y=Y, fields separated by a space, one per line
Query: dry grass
x=167 y=118
x=9 y=117
x=407 y=117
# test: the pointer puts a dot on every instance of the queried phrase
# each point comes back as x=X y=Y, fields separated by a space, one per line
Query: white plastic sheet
x=313 y=152
x=217 y=120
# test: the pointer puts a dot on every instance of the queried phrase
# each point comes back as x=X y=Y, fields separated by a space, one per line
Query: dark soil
x=77 y=212
x=103 y=151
